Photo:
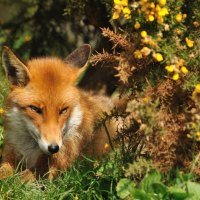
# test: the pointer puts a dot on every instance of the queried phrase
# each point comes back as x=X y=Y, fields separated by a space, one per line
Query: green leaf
x=18 y=43
x=124 y=187
x=178 y=193
x=159 y=188
x=137 y=194
x=146 y=183
x=194 y=188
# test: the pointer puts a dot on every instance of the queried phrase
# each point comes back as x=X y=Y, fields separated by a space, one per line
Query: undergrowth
x=89 y=179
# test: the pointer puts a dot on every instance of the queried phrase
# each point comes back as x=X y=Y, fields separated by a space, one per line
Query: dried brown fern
x=104 y=57
x=124 y=70
x=116 y=38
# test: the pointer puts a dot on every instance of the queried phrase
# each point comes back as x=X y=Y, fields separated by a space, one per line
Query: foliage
x=40 y=28
x=152 y=187
x=154 y=54
x=92 y=180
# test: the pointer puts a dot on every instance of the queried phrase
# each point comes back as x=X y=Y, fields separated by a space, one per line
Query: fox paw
x=6 y=170
x=52 y=173
x=27 y=176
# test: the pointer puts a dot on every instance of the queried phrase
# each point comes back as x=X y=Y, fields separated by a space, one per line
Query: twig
x=109 y=138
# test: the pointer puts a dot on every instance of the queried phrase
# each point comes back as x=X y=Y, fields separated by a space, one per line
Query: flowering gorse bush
x=163 y=27
x=155 y=55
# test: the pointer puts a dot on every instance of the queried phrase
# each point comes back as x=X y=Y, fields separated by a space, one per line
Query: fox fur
x=49 y=121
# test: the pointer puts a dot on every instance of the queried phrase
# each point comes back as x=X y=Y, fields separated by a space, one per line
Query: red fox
x=49 y=121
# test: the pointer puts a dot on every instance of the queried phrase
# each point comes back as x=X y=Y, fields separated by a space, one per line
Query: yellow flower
x=190 y=43
x=170 y=68
x=162 y=2
x=121 y=6
x=126 y=10
x=146 y=100
x=115 y=15
x=1 y=111
x=179 y=17
x=175 y=76
x=118 y=8
x=151 y=18
x=106 y=146
x=184 y=16
x=196 y=92
x=160 y=20
x=195 y=136
x=196 y=24
x=180 y=62
x=158 y=8
x=121 y=2
x=197 y=88
x=143 y=34
x=158 y=57
x=163 y=12
x=76 y=197
x=137 y=54
x=152 y=5
x=198 y=136
x=137 y=25
x=127 y=16
x=184 y=69
x=145 y=51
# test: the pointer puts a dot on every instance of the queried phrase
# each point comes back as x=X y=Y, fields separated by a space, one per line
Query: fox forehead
x=47 y=72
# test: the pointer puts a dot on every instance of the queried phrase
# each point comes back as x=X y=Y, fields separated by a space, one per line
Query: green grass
x=89 y=179
x=82 y=181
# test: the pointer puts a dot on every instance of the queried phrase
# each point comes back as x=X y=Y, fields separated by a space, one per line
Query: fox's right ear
x=16 y=71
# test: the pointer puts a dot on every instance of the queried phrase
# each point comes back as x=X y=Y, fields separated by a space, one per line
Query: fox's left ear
x=16 y=71
x=78 y=59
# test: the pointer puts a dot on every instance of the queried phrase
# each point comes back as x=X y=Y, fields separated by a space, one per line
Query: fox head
x=44 y=101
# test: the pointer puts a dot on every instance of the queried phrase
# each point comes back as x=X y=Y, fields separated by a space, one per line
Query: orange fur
x=66 y=115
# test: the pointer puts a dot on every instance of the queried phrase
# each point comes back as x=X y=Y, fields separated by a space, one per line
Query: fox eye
x=36 y=109
x=63 y=111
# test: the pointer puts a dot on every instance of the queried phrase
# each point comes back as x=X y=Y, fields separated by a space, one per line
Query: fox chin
x=49 y=120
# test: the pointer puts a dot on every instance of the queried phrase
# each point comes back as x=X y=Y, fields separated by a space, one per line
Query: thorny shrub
x=155 y=55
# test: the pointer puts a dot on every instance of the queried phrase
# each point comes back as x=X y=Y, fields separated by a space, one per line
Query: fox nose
x=53 y=148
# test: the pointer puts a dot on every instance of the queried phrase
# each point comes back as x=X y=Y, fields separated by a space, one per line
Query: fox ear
x=78 y=59
x=16 y=71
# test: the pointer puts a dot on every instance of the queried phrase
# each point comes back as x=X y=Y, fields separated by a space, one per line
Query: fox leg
x=40 y=168
x=8 y=163
x=27 y=176
x=64 y=158
x=6 y=170
x=9 y=160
